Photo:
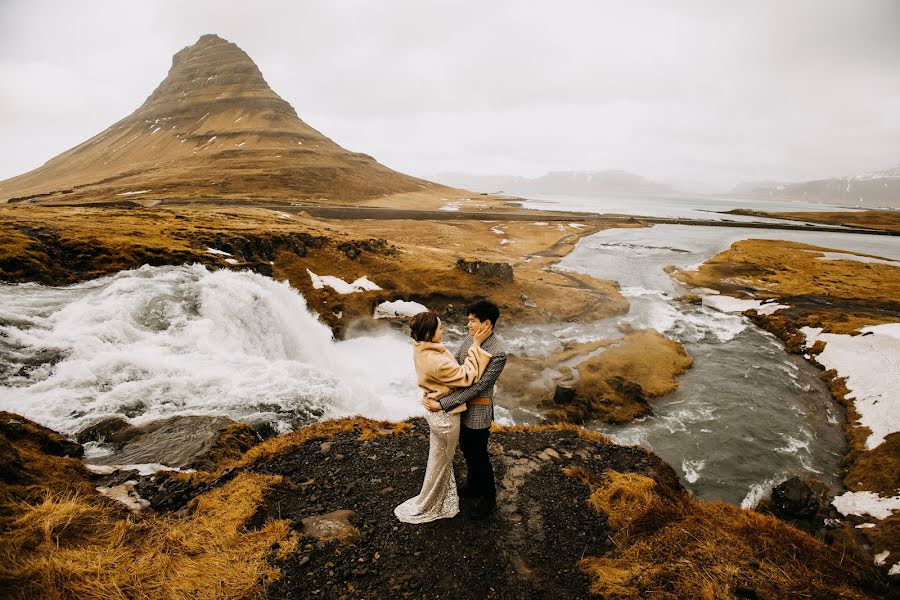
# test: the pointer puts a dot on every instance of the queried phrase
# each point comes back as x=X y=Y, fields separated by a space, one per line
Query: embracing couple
x=459 y=393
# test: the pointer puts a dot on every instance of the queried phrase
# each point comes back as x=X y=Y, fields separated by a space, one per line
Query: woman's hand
x=431 y=405
x=482 y=333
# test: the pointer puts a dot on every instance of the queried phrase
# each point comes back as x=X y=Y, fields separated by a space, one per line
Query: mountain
x=877 y=189
x=213 y=129
x=555 y=182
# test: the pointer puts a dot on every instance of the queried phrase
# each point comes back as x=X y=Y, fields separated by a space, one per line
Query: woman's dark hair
x=423 y=326
x=485 y=310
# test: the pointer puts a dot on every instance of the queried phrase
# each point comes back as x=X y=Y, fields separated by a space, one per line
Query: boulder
x=196 y=442
x=115 y=430
x=330 y=526
x=486 y=270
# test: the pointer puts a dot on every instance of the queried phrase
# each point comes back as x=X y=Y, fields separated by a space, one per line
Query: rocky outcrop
x=486 y=270
x=615 y=385
x=804 y=504
x=188 y=442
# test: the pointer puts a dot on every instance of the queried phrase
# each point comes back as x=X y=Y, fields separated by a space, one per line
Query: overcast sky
x=713 y=92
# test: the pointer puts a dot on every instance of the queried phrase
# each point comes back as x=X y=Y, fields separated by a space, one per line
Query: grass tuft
x=75 y=545
x=671 y=546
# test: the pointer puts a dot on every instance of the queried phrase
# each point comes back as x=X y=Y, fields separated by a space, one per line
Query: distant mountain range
x=554 y=182
x=877 y=189
x=212 y=130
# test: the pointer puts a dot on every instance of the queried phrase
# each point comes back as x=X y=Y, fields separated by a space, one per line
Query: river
x=161 y=341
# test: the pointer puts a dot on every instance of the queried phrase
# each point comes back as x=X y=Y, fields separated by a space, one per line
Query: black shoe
x=483 y=509
x=467 y=492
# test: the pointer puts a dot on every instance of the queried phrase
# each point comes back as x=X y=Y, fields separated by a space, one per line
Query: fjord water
x=674 y=206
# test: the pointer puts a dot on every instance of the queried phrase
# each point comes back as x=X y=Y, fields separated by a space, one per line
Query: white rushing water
x=161 y=341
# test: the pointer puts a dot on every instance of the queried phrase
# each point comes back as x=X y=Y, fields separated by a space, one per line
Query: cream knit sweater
x=437 y=370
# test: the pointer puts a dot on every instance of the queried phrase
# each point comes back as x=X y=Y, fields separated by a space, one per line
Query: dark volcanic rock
x=804 y=504
x=487 y=270
x=563 y=395
x=167 y=492
x=795 y=499
x=111 y=430
x=528 y=549
x=196 y=442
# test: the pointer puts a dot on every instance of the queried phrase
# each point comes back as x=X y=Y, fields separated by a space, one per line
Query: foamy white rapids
x=691 y=469
x=160 y=341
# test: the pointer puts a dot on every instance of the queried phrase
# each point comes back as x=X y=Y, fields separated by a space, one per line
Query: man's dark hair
x=485 y=310
x=423 y=326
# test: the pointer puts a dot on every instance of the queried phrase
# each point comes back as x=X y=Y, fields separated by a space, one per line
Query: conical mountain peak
x=212 y=65
x=213 y=129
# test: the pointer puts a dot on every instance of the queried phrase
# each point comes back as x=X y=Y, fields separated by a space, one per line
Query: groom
x=475 y=423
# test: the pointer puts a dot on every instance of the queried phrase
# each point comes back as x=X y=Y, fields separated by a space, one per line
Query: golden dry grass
x=785 y=270
x=671 y=546
x=73 y=545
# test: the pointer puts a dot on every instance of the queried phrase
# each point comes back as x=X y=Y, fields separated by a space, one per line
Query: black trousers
x=480 y=473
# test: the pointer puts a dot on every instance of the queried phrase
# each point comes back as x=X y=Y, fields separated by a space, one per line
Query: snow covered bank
x=871 y=364
x=738 y=305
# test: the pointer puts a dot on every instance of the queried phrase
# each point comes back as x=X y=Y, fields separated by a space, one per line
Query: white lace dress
x=438 y=498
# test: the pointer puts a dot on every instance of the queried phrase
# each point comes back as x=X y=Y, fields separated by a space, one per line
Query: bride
x=437 y=372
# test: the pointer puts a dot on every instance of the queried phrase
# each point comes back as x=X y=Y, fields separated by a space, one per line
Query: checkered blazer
x=478 y=416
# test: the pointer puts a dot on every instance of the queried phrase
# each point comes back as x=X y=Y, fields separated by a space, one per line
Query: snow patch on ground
x=218 y=252
x=871 y=364
x=866 y=503
x=738 y=305
x=340 y=286
x=398 y=308
x=134 y=193
x=497 y=230
x=856 y=257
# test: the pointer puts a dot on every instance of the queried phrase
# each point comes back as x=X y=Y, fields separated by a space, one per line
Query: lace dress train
x=438 y=498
